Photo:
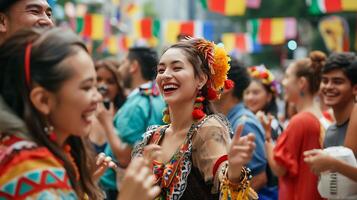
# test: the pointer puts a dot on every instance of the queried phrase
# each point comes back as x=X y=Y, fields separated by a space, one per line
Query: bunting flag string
x=331 y=6
x=230 y=7
x=272 y=31
x=241 y=42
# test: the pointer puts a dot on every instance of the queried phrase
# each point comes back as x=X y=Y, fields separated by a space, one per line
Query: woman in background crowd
x=304 y=131
x=109 y=85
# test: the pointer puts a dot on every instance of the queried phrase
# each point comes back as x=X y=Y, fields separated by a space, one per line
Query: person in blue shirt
x=231 y=104
x=142 y=108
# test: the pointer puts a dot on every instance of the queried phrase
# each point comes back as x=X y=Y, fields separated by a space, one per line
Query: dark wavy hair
x=342 y=61
x=49 y=48
x=240 y=76
x=147 y=59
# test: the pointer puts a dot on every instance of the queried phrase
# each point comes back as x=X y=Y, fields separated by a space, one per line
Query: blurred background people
x=142 y=108
x=304 y=131
x=261 y=95
x=110 y=86
x=14 y=15
x=339 y=88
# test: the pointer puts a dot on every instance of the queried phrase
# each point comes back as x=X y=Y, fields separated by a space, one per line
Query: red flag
x=187 y=28
x=87 y=25
x=333 y=6
x=264 y=31
x=146 y=28
x=217 y=6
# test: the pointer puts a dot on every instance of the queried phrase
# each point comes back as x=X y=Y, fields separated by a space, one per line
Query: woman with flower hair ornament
x=260 y=96
x=192 y=157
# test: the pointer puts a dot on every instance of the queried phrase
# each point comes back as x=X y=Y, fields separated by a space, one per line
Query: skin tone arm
x=320 y=162
x=277 y=169
x=121 y=151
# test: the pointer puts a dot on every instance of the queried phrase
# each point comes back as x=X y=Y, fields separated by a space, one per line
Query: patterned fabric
x=173 y=175
x=31 y=172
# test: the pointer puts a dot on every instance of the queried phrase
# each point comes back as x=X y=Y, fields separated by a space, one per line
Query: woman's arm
x=277 y=169
x=320 y=162
x=351 y=134
x=121 y=151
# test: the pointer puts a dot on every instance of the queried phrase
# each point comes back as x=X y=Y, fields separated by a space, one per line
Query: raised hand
x=103 y=162
x=240 y=153
x=138 y=182
x=266 y=123
x=105 y=116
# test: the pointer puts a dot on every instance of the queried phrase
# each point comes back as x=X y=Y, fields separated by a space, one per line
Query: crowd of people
x=193 y=123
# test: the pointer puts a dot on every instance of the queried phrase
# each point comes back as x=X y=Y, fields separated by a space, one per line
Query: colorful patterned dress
x=196 y=168
x=28 y=171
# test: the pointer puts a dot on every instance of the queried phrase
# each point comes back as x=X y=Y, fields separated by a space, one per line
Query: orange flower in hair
x=218 y=64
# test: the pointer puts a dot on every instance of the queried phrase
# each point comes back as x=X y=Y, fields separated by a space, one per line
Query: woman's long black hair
x=49 y=48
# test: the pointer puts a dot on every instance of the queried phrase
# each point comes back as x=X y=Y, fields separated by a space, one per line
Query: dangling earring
x=166 y=116
x=50 y=133
x=198 y=112
x=302 y=94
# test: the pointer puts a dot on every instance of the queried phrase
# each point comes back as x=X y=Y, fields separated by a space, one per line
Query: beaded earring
x=198 y=112
x=166 y=116
x=50 y=133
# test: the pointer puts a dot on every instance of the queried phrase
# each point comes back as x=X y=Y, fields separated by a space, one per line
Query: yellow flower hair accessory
x=266 y=77
x=218 y=64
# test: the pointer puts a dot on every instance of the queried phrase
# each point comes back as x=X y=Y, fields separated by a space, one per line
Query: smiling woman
x=193 y=157
x=48 y=80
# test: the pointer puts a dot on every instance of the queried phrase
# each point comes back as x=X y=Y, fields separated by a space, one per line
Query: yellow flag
x=172 y=31
x=116 y=2
x=229 y=41
x=235 y=7
x=97 y=27
x=277 y=31
x=137 y=29
x=113 y=45
x=349 y=5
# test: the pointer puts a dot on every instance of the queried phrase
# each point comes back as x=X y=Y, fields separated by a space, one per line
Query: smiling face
x=107 y=78
x=256 y=97
x=27 y=14
x=74 y=105
x=336 y=88
x=176 y=77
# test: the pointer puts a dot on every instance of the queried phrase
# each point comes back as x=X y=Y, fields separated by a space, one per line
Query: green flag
x=204 y=4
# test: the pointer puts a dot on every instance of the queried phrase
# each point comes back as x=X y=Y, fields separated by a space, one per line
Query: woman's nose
x=167 y=76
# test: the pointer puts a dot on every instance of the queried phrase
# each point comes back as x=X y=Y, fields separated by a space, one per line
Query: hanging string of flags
x=331 y=6
x=265 y=31
x=230 y=7
x=272 y=31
